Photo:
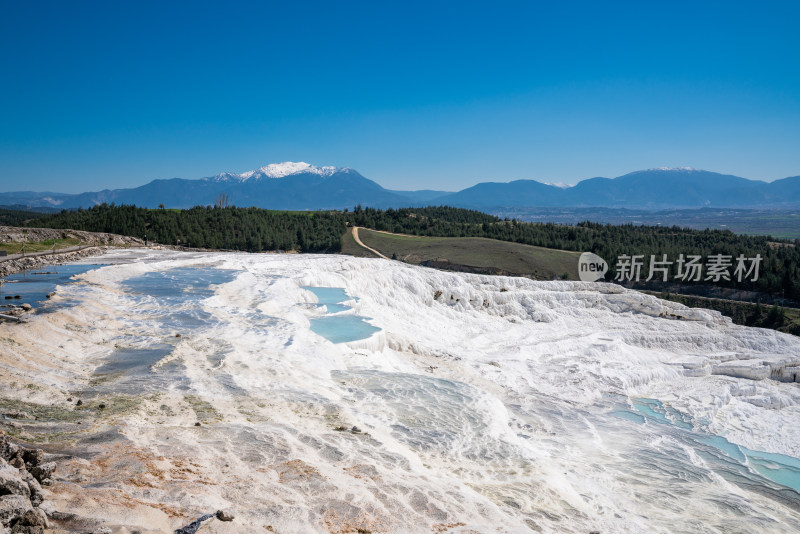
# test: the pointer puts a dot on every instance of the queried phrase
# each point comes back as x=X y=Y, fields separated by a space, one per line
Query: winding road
x=358 y=240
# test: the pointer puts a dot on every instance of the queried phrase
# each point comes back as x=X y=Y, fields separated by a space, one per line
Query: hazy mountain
x=787 y=188
x=285 y=186
x=516 y=193
x=663 y=188
x=651 y=189
x=300 y=186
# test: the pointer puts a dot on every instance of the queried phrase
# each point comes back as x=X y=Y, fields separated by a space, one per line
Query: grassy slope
x=39 y=246
x=542 y=263
x=351 y=248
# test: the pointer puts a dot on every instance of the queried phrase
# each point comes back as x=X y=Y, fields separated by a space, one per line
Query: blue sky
x=413 y=95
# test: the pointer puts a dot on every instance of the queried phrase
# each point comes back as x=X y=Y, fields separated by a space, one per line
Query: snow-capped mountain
x=302 y=186
x=278 y=170
x=284 y=186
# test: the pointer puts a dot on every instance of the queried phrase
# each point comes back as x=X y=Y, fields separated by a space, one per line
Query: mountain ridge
x=302 y=186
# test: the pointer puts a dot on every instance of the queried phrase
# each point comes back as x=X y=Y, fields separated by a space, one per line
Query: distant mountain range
x=300 y=186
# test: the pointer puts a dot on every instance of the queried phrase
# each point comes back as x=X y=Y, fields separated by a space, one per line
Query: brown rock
x=43 y=471
x=8 y=449
x=225 y=515
x=12 y=507
x=37 y=497
x=33 y=457
x=12 y=483
x=33 y=518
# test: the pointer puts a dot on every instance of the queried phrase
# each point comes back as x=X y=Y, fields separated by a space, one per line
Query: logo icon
x=591 y=267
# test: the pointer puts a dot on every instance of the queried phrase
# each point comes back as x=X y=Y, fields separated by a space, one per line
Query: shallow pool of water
x=749 y=464
x=342 y=328
x=132 y=360
x=331 y=298
x=33 y=286
x=338 y=328
x=179 y=284
x=176 y=295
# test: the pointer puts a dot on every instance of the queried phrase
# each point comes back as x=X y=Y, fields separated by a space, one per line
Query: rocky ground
x=8 y=267
x=13 y=234
x=98 y=243
x=23 y=472
x=26 y=505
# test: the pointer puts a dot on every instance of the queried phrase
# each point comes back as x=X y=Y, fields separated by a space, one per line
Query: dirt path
x=358 y=240
x=44 y=253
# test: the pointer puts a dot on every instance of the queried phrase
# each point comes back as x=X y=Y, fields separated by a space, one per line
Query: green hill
x=475 y=254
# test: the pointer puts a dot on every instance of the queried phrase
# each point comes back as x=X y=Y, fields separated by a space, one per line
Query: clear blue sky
x=438 y=95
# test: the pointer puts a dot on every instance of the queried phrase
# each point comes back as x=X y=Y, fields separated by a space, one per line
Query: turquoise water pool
x=735 y=460
x=331 y=298
x=338 y=328
x=342 y=329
